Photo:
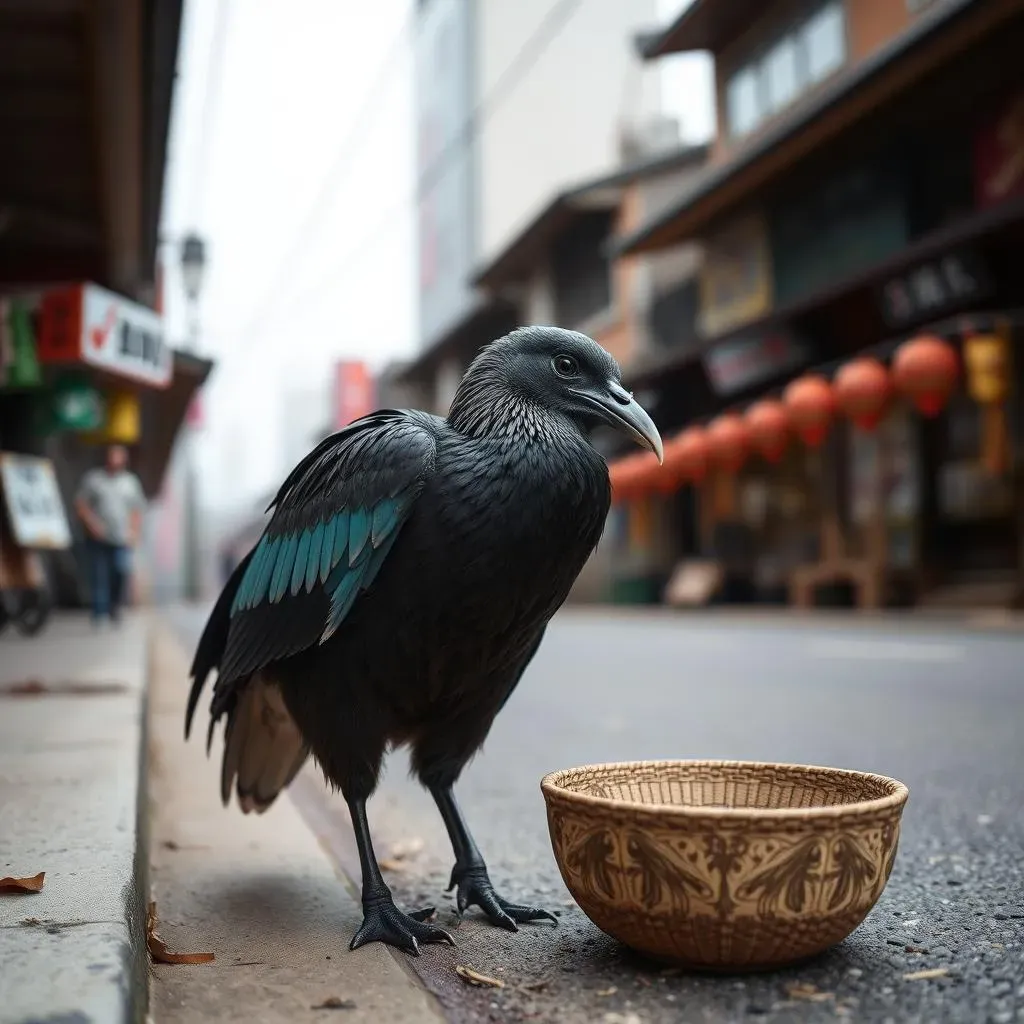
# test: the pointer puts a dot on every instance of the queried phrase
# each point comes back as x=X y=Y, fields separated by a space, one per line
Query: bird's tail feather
x=263 y=748
x=211 y=645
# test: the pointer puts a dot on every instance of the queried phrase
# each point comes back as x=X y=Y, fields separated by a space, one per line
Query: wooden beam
x=116 y=34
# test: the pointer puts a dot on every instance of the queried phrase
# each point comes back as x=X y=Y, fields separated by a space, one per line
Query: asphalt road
x=940 y=708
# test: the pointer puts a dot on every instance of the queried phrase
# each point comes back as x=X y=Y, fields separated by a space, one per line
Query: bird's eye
x=565 y=366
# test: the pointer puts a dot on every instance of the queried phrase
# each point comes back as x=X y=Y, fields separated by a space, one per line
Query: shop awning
x=703 y=25
x=852 y=97
x=163 y=413
x=646 y=371
x=85 y=99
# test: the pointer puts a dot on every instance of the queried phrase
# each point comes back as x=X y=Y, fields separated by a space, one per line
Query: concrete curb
x=258 y=891
x=73 y=804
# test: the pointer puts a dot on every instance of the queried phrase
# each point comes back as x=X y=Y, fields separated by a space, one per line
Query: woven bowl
x=724 y=865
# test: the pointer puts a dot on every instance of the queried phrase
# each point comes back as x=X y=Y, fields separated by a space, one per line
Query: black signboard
x=935 y=287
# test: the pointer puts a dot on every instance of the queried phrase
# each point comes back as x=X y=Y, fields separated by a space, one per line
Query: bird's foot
x=475 y=889
x=384 y=922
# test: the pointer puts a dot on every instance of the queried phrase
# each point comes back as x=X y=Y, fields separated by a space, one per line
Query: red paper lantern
x=862 y=389
x=810 y=404
x=925 y=369
x=728 y=441
x=768 y=424
x=686 y=456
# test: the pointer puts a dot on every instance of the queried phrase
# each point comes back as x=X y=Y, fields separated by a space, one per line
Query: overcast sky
x=269 y=116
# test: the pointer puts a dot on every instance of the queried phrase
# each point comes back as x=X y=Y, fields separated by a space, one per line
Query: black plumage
x=402 y=586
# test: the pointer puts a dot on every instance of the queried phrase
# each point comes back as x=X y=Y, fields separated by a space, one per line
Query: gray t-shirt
x=113 y=497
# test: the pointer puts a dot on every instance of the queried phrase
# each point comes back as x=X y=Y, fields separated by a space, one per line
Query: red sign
x=353 y=392
x=194 y=414
x=84 y=323
x=999 y=154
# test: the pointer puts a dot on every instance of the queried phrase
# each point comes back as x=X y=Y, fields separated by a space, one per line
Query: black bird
x=402 y=586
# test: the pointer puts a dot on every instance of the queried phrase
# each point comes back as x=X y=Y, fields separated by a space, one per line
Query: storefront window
x=800 y=58
x=824 y=39
x=744 y=102
x=902 y=488
x=782 y=73
x=779 y=503
x=966 y=490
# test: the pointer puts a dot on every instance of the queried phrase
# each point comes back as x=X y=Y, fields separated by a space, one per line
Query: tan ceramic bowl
x=725 y=865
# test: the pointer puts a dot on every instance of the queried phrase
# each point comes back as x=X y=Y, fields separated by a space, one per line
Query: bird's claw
x=384 y=922
x=475 y=889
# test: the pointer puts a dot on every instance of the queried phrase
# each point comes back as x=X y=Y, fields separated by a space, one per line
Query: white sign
x=123 y=337
x=34 y=505
x=743 y=362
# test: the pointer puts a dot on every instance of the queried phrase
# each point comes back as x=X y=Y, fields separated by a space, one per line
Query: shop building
x=845 y=409
x=84 y=358
x=499 y=128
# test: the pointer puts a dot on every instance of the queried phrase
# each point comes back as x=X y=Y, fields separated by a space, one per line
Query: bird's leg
x=470 y=871
x=382 y=920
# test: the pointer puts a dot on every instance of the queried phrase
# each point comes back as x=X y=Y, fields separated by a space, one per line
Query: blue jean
x=108 y=574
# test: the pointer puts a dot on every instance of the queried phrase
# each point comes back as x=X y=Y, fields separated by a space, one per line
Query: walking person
x=110 y=503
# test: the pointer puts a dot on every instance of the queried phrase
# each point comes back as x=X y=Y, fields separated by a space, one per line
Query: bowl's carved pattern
x=717 y=889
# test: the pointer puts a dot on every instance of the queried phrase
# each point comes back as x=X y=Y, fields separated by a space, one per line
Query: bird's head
x=560 y=372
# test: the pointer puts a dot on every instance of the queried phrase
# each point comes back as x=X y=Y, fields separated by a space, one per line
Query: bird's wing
x=335 y=518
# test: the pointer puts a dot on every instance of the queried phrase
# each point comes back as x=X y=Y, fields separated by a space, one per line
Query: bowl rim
x=550 y=786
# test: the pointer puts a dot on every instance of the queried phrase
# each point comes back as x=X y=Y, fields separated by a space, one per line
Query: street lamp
x=193 y=269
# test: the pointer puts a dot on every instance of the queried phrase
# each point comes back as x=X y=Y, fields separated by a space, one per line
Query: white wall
x=305 y=412
x=560 y=123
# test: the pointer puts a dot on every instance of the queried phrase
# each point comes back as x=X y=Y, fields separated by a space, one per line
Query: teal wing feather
x=334 y=521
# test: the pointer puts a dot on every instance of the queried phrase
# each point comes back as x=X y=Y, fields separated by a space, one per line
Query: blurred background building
x=795 y=223
x=825 y=295
x=84 y=355
x=860 y=226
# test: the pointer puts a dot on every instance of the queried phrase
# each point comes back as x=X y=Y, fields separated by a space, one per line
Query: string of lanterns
x=925 y=370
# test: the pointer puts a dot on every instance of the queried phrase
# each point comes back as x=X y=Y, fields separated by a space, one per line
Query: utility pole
x=193 y=267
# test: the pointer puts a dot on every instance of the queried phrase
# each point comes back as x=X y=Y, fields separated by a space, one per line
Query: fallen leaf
x=809 y=992
x=33 y=884
x=30 y=922
x=607 y=991
x=467 y=974
x=158 y=948
x=932 y=972
x=335 y=1003
x=914 y=949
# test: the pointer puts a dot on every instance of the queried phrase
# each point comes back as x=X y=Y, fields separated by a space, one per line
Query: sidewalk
x=257 y=891
x=70 y=780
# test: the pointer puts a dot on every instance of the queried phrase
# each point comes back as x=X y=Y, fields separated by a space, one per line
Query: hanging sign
x=999 y=154
x=77 y=405
x=935 y=287
x=353 y=394
x=34 y=506
x=19 y=364
x=741 y=363
x=86 y=323
x=735 y=279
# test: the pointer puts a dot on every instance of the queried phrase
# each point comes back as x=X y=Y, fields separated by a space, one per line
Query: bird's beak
x=617 y=407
